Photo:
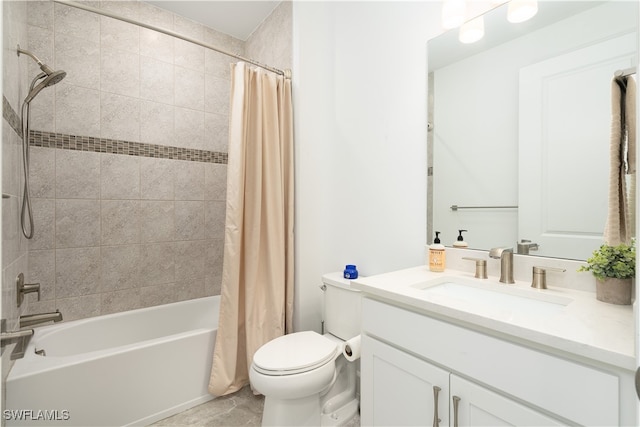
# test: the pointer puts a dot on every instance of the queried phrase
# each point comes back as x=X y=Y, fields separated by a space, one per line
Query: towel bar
x=456 y=207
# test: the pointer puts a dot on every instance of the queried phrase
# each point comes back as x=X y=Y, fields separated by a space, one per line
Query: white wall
x=360 y=96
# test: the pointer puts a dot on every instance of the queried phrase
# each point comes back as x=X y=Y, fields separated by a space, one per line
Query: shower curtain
x=620 y=226
x=257 y=278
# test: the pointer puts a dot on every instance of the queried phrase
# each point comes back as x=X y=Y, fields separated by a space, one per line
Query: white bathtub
x=130 y=368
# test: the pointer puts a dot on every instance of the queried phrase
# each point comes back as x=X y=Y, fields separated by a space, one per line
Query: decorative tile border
x=9 y=114
x=114 y=146
x=105 y=145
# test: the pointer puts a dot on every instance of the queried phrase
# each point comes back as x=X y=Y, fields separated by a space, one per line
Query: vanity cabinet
x=479 y=406
x=405 y=354
x=400 y=389
x=403 y=390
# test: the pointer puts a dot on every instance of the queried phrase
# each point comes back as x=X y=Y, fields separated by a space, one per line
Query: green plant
x=612 y=261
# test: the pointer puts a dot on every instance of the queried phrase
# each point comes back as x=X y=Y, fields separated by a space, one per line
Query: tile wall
x=129 y=191
x=14 y=246
x=116 y=232
x=272 y=42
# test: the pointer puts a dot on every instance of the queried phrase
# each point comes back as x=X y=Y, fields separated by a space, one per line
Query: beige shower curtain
x=257 y=278
x=620 y=226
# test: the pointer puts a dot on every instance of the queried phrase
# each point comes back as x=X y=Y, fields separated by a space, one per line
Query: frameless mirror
x=520 y=126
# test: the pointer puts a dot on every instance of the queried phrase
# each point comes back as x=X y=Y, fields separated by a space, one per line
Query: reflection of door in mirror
x=564 y=146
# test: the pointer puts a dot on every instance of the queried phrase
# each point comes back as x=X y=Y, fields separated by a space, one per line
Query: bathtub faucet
x=36 y=319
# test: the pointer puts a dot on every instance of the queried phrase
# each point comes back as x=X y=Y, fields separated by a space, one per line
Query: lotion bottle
x=437 y=255
x=460 y=243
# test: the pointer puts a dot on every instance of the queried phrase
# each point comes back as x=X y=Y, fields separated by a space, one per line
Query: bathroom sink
x=491 y=295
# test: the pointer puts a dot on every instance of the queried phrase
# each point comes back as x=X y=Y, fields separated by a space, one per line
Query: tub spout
x=36 y=319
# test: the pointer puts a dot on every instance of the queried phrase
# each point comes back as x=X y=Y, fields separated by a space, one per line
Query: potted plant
x=614 y=268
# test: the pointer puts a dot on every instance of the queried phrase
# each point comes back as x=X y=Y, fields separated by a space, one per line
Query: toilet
x=305 y=378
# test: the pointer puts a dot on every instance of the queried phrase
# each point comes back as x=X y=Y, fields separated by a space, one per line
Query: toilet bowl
x=304 y=377
x=294 y=365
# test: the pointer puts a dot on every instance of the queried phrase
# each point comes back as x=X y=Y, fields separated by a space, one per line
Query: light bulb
x=453 y=13
x=472 y=31
x=521 y=10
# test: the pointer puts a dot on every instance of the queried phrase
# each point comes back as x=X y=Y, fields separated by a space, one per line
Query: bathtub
x=130 y=368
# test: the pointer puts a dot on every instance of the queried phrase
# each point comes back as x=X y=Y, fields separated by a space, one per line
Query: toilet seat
x=294 y=353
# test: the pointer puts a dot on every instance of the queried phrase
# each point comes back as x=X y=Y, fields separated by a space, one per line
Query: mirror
x=520 y=126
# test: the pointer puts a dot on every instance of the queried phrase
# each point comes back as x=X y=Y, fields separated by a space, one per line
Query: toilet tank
x=341 y=312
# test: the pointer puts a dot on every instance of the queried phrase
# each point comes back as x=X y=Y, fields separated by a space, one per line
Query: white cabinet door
x=478 y=406
x=397 y=389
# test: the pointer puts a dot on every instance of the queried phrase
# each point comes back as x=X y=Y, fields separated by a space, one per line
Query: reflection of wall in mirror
x=476 y=125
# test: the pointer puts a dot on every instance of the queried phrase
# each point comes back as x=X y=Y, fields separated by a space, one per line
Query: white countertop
x=586 y=327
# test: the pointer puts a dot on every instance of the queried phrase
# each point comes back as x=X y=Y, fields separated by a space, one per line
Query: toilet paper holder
x=351 y=349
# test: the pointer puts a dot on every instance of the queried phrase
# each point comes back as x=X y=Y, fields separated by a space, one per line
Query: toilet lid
x=294 y=353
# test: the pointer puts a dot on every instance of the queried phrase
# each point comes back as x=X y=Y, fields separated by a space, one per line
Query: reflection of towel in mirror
x=630 y=120
x=621 y=160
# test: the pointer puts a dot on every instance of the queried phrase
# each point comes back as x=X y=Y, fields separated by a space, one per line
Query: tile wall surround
x=128 y=157
x=128 y=174
x=271 y=43
x=129 y=83
x=14 y=245
x=117 y=232
x=105 y=145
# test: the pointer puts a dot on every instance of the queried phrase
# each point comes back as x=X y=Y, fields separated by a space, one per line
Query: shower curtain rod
x=285 y=73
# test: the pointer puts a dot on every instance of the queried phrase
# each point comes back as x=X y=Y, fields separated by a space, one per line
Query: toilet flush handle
x=323 y=288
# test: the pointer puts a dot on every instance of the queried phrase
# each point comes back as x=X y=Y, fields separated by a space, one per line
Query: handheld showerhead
x=49 y=80
x=54 y=78
x=50 y=76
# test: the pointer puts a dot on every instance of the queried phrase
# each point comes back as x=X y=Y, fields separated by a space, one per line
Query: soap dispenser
x=460 y=243
x=437 y=255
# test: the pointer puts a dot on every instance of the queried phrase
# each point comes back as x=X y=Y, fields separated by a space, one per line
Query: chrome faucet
x=506 y=263
x=36 y=319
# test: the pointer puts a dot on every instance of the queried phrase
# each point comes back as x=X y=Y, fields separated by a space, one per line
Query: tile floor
x=242 y=408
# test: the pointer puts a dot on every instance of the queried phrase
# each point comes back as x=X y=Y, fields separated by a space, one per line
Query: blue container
x=350 y=272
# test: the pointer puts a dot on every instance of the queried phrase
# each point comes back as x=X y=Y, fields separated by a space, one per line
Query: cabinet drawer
x=571 y=390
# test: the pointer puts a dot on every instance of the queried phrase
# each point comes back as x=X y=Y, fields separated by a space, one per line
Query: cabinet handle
x=456 y=400
x=436 y=420
x=638 y=382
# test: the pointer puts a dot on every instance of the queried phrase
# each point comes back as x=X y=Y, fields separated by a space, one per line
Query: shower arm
x=44 y=67
x=26 y=52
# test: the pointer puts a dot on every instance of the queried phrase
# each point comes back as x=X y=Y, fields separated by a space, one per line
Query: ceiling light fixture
x=472 y=31
x=521 y=10
x=453 y=12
